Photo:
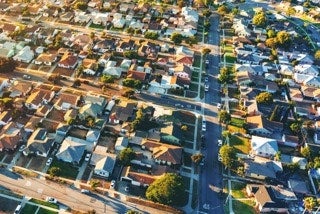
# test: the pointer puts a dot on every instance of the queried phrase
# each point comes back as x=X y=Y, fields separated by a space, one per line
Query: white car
x=219 y=158
x=87 y=158
x=126 y=189
x=113 y=184
x=204 y=127
x=23 y=147
x=85 y=191
x=207 y=61
x=51 y=200
x=219 y=142
x=49 y=161
x=219 y=106
x=206 y=88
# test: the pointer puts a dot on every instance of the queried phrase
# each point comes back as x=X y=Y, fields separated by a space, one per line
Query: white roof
x=265 y=145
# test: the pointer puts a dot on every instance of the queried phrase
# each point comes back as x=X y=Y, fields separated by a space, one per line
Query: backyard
x=67 y=170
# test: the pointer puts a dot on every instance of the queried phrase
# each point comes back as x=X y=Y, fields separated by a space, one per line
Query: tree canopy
x=151 y=35
x=166 y=190
x=7 y=65
x=107 y=78
x=228 y=155
x=197 y=158
x=259 y=19
x=317 y=55
x=283 y=38
x=132 y=83
x=225 y=75
x=81 y=5
x=126 y=155
x=310 y=203
x=264 y=97
x=176 y=38
x=224 y=117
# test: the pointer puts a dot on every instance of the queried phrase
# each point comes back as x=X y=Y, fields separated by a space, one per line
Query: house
x=82 y=17
x=5 y=117
x=67 y=16
x=168 y=134
x=243 y=78
x=43 y=111
x=90 y=110
x=10 y=137
x=38 y=143
x=121 y=143
x=20 y=89
x=259 y=125
x=264 y=147
x=112 y=70
x=83 y=41
x=299 y=186
x=118 y=21
x=261 y=168
x=122 y=112
x=271 y=199
x=105 y=166
x=286 y=70
x=66 y=101
x=71 y=150
x=167 y=154
x=190 y=15
x=39 y=97
x=126 y=45
x=149 y=50
x=295 y=94
x=32 y=124
x=68 y=60
x=93 y=135
x=306 y=69
x=46 y=59
x=312 y=82
x=24 y=55
x=288 y=159
x=105 y=45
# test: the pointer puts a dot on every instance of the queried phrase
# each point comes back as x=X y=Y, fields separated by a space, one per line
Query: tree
x=225 y=75
x=207 y=13
x=291 y=11
x=310 y=203
x=226 y=134
x=306 y=152
x=240 y=171
x=54 y=171
x=81 y=6
x=107 y=78
x=197 y=158
x=126 y=155
x=264 y=97
x=271 y=33
x=7 y=65
x=176 y=38
x=132 y=212
x=191 y=40
x=166 y=190
x=132 y=83
x=184 y=128
x=131 y=54
x=283 y=38
x=94 y=183
x=272 y=42
x=76 y=83
x=151 y=35
x=316 y=162
x=228 y=155
x=223 y=9
x=278 y=156
x=128 y=93
x=259 y=19
x=224 y=117
x=295 y=127
x=205 y=51
x=317 y=55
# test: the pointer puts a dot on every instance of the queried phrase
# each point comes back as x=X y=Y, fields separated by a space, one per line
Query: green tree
x=260 y=19
x=225 y=76
x=310 y=203
x=223 y=9
x=271 y=33
x=207 y=13
x=290 y=11
x=132 y=83
x=317 y=55
x=131 y=54
x=151 y=35
x=128 y=93
x=176 y=38
x=166 y=190
x=197 y=158
x=272 y=42
x=132 y=212
x=205 y=51
x=278 y=156
x=283 y=38
x=191 y=40
x=224 y=117
x=54 y=171
x=184 y=128
x=126 y=155
x=107 y=78
x=306 y=152
x=295 y=127
x=264 y=97
x=316 y=162
x=226 y=134
x=94 y=183
x=81 y=6
x=7 y=65
x=228 y=155
x=240 y=171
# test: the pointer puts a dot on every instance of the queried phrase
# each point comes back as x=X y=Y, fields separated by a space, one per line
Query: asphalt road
x=67 y=196
x=211 y=177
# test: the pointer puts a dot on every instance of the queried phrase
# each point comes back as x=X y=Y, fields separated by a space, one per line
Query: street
x=67 y=196
x=211 y=177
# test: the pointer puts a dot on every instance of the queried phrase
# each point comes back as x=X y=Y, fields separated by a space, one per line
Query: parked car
x=18 y=209
x=207 y=61
x=204 y=126
x=27 y=77
x=23 y=147
x=219 y=142
x=49 y=161
x=113 y=184
x=206 y=79
x=219 y=158
x=85 y=191
x=219 y=105
x=51 y=200
x=87 y=158
x=206 y=88
x=126 y=189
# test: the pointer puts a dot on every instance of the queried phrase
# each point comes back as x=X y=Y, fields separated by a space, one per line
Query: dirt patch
x=22 y=161
x=8 y=158
x=56 y=115
x=108 y=141
x=8 y=205
x=37 y=163
x=45 y=68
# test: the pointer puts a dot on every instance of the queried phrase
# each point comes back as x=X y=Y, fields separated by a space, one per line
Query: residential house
x=149 y=50
x=290 y=140
x=10 y=137
x=100 y=18
x=39 y=143
x=243 y=78
x=32 y=124
x=122 y=112
x=312 y=82
x=288 y=159
x=66 y=101
x=190 y=15
x=5 y=117
x=167 y=154
x=26 y=55
x=108 y=44
x=118 y=21
x=121 y=143
x=70 y=114
x=259 y=125
x=271 y=199
x=90 y=110
x=68 y=61
x=303 y=109
x=43 y=111
x=93 y=135
x=299 y=186
x=38 y=97
x=112 y=70
x=286 y=70
x=295 y=94
x=83 y=41
x=82 y=17
x=46 y=59
x=264 y=147
x=126 y=45
x=104 y=167
x=67 y=16
x=240 y=27
x=261 y=168
x=306 y=69
x=71 y=150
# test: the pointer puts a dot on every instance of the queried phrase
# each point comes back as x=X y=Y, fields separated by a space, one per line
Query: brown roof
x=8 y=27
x=5 y=116
x=42 y=111
x=184 y=59
x=10 y=136
x=67 y=98
x=168 y=153
x=38 y=95
x=33 y=123
x=137 y=75
x=68 y=60
x=258 y=121
x=46 y=57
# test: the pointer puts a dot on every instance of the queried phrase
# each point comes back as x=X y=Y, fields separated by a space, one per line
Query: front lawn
x=237 y=122
x=230 y=58
x=238 y=189
x=67 y=170
x=194 y=202
x=197 y=60
x=28 y=208
x=184 y=117
x=44 y=211
x=241 y=144
x=243 y=206
x=44 y=203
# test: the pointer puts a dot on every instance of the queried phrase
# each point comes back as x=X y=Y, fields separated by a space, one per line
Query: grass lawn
x=245 y=206
x=241 y=144
x=228 y=49
x=197 y=60
x=233 y=129
x=237 y=122
x=44 y=211
x=187 y=159
x=193 y=87
x=29 y=209
x=67 y=170
x=96 y=26
x=230 y=58
x=44 y=203
x=194 y=202
x=238 y=189
x=184 y=117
